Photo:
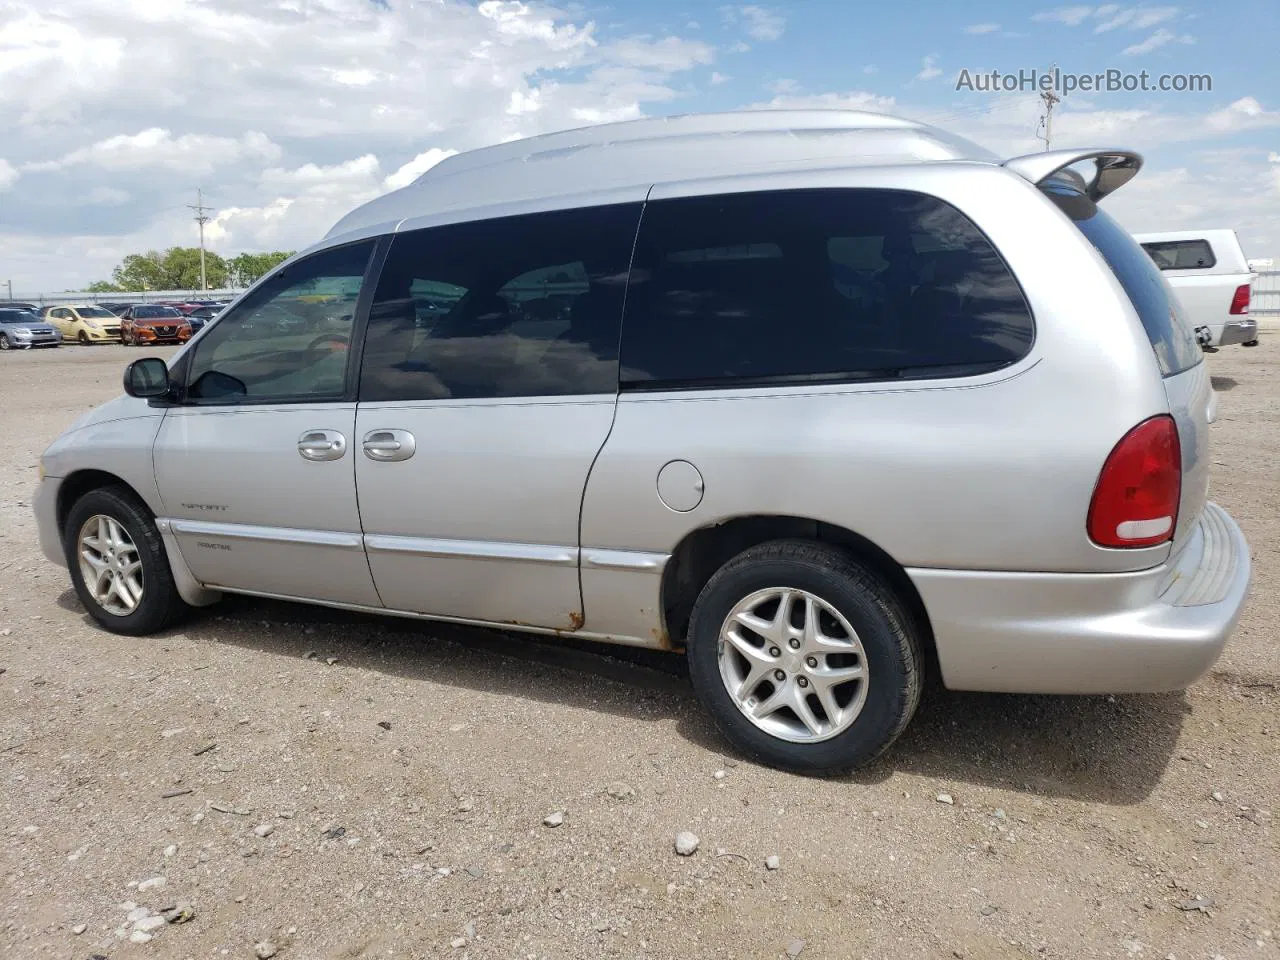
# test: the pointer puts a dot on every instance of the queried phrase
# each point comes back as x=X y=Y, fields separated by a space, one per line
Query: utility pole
x=201 y=219
x=10 y=283
x=1051 y=100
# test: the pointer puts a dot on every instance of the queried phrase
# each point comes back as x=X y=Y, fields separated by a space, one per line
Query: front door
x=488 y=387
x=257 y=467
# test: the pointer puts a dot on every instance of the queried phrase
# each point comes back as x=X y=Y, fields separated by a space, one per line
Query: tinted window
x=509 y=307
x=289 y=339
x=1181 y=254
x=156 y=313
x=18 y=316
x=816 y=285
x=1171 y=337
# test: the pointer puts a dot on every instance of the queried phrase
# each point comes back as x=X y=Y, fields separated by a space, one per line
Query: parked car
x=22 y=329
x=144 y=323
x=827 y=418
x=18 y=305
x=115 y=307
x=202 y=315
x=1212 y=278
x=84 y=323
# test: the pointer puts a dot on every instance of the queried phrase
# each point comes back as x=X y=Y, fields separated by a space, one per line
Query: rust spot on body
x=576 y=620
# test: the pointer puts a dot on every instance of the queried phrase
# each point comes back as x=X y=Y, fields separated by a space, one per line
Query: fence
x=1265 y=301
x=133 y=296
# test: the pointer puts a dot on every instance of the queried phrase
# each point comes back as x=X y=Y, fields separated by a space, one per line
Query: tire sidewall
x=4 y=342
x=888 y=678
x=156 y=576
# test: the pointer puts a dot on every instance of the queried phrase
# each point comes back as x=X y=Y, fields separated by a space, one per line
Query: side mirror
x=147 y=378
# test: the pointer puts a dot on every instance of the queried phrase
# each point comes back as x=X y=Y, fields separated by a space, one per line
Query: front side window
x=289 y=339
x=1181 y=254
x=816 y=285
x=509 y=307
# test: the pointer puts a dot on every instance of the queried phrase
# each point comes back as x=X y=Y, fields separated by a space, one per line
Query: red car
x=153 y=323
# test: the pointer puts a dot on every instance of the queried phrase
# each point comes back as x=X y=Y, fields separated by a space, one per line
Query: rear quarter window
x=822 y=285
x=1171 y=337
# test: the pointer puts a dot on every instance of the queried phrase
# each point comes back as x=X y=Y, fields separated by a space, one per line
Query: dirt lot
x=356 y=788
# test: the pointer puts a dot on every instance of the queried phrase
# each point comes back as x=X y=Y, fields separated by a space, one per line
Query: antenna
x=201 y=219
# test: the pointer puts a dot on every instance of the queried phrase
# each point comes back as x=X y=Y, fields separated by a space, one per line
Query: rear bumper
x=1238 y=331
x=1154 y=630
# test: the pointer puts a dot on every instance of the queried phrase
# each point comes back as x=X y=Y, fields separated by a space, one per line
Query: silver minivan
x=828 y=401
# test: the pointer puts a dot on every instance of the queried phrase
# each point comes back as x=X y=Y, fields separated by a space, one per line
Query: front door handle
x=388 y=446
x=322 y=445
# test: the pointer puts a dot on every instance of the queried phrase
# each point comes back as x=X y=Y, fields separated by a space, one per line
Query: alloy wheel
x=110 y=565
x=793 y=665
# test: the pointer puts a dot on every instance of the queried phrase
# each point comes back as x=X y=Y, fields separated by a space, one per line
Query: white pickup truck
x=1208 y=271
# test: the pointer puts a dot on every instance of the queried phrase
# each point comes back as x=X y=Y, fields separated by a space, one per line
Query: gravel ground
x=290 y=779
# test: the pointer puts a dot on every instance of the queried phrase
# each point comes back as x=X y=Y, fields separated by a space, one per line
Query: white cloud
x=8 y=175
x=870 y=68
x=669 y=54
x=718 y=78
x=1154 y=42
x=416 y=167
x=117 y=109
x=157 y=147
x=784 y=86
x=977 y=29
x=107 y=197
x=759 y=23
x=1133 y=18
x=1071 y=16
x=929 y=69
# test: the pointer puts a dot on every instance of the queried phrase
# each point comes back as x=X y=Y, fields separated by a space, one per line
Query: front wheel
x=84 y=339
x=118 y=564
x=804 y=658
x=4 y=342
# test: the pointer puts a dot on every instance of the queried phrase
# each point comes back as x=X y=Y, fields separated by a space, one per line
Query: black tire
x=4 y=342
x=161 y=606
x=84 y=339
x=893 y=660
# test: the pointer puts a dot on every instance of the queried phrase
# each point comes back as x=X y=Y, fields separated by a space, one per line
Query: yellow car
x=84 y=323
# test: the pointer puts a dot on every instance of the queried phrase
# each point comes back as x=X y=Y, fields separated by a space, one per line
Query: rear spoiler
x=1114 y=168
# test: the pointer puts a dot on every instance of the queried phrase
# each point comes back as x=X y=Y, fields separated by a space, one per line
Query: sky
x=288 y=113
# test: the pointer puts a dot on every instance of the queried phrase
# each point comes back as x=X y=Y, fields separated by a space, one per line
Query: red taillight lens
x=1136 y=501
x=1240 y=302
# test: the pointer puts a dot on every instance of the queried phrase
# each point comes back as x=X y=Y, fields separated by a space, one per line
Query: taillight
x=1135 y=503
x=1240 y=302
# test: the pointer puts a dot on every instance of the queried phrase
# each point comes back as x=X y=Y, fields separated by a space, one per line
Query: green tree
x=181 y=269
x=140 y=271
x=103 y=286
x=248 y=268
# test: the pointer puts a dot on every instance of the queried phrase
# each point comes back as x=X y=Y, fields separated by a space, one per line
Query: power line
x=201 y=219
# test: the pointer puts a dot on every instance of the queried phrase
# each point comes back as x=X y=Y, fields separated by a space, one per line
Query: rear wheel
x=118 y=563
x=804 y=658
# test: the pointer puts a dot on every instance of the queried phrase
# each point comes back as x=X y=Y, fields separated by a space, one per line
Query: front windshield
x=91 y=313
x=18 y=316
x=156 y=313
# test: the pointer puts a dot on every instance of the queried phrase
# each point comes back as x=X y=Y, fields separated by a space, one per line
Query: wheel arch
x=703 y=551
x=75 y=485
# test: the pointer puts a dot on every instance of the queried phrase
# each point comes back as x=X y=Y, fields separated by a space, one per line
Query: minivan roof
x=616 y=162
x=612 y=157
